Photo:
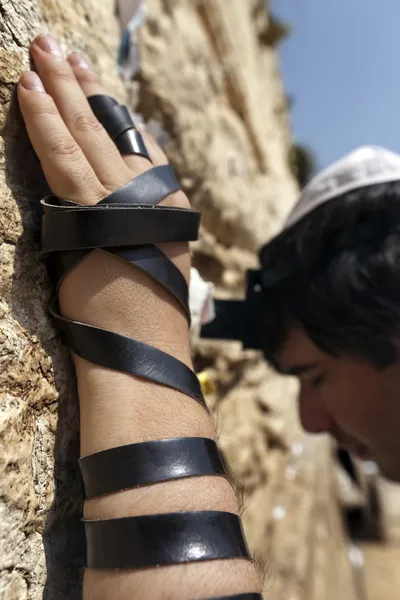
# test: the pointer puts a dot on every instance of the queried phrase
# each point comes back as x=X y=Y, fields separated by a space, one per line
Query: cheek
x=348 y=400
x=354 y=401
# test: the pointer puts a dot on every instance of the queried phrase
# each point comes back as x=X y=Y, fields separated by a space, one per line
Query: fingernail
x=79 y=60
x=31 y=81
x=49 y=44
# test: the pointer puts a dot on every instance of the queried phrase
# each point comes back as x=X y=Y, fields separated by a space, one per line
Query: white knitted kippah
x=364 y=166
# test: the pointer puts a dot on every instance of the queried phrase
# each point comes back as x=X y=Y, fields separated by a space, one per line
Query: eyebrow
x=300 y=369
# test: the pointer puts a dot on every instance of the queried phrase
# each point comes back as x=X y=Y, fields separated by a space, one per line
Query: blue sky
x=342 y=66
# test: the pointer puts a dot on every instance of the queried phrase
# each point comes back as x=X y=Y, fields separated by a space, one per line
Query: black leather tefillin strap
x=145 y=463
x=167 y=539
x=124 y=220
x=239 y=319
x=128 y=224
x=118 y=123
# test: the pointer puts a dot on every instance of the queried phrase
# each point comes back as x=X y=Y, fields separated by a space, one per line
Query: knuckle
x=86 y=75
x=60 y=147
x=85 y=122
x=80 y=186
x=43 y=107
x=99 y=192
x=61 y=70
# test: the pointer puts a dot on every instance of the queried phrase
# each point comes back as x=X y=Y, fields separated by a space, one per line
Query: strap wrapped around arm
x=170 y=539
x=146 y=463
x=97 y=227
x=127 y=217
x=121 y=353
x=126 y=224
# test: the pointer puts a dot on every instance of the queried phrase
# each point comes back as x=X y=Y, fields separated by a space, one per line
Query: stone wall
x=210 y=77
x=40 y=534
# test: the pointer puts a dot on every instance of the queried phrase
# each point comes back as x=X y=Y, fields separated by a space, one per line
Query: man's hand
x=82 y=163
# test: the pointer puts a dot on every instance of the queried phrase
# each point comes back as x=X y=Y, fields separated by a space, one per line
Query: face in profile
x=354 y=401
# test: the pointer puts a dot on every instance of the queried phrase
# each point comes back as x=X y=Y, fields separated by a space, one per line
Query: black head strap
x=239 y=319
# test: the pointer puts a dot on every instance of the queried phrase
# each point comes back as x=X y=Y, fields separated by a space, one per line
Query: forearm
x=118 y=409
x=91 y=152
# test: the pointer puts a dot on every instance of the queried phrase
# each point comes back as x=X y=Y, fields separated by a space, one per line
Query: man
x=330 y=304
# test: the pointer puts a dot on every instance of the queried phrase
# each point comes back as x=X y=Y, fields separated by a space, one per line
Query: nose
x=314 y=417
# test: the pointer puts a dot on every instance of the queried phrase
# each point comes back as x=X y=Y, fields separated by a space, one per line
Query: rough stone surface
x=213 y=82
x=41 y=546
x=210 y=78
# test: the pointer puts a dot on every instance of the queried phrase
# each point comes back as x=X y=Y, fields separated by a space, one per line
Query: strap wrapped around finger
x=117 y=121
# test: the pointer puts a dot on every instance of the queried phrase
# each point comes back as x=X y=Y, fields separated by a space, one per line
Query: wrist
x=107 y=292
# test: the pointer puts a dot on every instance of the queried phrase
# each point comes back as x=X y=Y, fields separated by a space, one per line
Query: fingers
x=59 y=81
x=67 y=171
x=79 y=159
x=91 y=85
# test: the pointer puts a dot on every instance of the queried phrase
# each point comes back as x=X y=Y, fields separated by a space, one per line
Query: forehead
x=298 y=349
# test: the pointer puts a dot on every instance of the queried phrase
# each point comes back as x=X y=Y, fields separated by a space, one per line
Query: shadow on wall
x=63 y=537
